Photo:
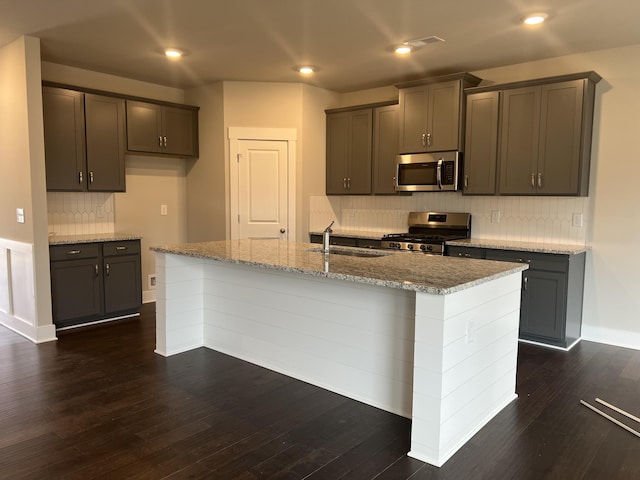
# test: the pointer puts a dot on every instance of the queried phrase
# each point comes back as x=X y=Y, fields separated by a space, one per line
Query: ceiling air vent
x=421 y=42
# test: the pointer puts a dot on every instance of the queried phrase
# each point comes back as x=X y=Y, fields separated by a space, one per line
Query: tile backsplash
x=529 y=219
x=80 y=213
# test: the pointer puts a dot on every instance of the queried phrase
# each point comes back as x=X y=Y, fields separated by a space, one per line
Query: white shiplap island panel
x=447 y=360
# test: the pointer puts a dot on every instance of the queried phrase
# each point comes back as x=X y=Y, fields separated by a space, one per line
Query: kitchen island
x=428 y=337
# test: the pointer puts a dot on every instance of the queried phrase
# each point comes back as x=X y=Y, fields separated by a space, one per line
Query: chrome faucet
x=326 y=237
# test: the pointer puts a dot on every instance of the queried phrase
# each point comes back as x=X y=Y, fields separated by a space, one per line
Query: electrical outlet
x=20 y=215
x=152 y=281
x=495 y=216
x=471 y=330
x=163 y=209
x=576 y=221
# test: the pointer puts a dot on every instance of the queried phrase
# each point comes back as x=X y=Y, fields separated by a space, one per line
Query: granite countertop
x=91 y=238
x=404 y=270
x=366 y=234
x=520 y=246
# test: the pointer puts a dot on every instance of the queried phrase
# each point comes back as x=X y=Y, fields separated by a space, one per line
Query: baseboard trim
x=553 y=347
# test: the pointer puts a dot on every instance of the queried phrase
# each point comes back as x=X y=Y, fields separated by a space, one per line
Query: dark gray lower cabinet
x=95 y=281
x=552 y=292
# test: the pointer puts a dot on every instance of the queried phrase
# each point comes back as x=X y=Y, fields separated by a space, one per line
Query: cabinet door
x=122 y=283
x=560 y=138
x=144 y=127
x=465 y=252
x=543 y=304
x=361 y=126
x=413 y=119
x=76 y=289
x=337 y=153
x=385 y=149
x=178 y=127
x=105 y=118
x=443 y=117
x=519 y=141
x=64 y=140
x=481 y=143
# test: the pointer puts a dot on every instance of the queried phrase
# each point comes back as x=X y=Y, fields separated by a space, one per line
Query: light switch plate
x=163 y=209
x=495 y=216
x=20 y=215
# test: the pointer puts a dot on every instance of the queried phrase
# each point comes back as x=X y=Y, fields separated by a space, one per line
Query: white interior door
x=263 y=189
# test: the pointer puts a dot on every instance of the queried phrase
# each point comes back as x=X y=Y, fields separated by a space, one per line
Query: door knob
x=282 y=230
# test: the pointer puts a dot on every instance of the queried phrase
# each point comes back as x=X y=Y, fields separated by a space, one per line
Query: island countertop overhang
x=418 y=272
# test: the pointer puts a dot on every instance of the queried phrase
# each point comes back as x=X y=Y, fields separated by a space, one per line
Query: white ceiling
x=348 y=40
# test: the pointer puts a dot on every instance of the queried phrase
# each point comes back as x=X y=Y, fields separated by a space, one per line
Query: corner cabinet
x=84 y=140
x=552 y=292
x=95 y=281
x=431 y=115
x=542 y=133
x=361 y=149
x=162 y=129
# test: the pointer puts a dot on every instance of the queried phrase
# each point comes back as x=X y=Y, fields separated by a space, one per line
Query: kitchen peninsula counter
x=430 y=338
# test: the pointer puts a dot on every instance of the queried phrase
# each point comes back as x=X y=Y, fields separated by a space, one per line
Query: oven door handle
x=439 y=173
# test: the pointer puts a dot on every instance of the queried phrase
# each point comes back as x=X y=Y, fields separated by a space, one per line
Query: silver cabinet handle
x=394 y=182
x=348 y=183
x=439 y=173
x=80 y=177
x=160 y=141
x=424 y=139
x=428 y=139
x=466 y=181
x=533 y=180
x=525 y=283
x=465 y=255
x=539 y=180
x=97 y=270
x=107 y=269
x=73 y=252
x=164 y=141
x=120 y=247
x=523 y=260
x=344 y=183
x=90 y=177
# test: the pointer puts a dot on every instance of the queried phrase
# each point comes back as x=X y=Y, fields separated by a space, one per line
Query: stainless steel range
x=428 y=232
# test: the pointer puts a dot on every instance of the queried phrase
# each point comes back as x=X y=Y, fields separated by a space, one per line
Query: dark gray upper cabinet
x=481 y=143
x=544 y=130
x=362 y=144
x=84 y=141
x=161 y=129
x=385 y=149
x=105 y=137
x=349 y=152
x=64 y=139
x=431 y=116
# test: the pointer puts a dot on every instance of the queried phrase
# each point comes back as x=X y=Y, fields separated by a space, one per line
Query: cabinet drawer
x=465 y=252
x=74 y=251
x=538 y=261
x=127 y=247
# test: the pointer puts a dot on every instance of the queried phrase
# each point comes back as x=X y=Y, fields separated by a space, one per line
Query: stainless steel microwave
x=428 y=172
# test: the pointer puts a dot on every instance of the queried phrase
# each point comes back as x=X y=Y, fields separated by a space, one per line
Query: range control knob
x=423 y=247
x=410 y=246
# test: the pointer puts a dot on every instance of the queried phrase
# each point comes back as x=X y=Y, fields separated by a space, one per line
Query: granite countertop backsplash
x=520 y=246
x=404 y=270
x=91 y=238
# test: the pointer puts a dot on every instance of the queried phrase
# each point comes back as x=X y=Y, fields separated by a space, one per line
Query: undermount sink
x=351 y=253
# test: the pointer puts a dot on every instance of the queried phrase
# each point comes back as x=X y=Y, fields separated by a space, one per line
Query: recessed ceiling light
x=535 y=19
x=173 y=52
x=403 y=49
x=306 y=69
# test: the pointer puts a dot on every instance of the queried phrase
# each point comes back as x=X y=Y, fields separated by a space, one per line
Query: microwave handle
x=439 y=173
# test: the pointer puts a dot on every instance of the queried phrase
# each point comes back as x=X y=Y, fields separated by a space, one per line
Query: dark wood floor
x=99 y=404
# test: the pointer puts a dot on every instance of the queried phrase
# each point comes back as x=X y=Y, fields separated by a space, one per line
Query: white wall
x=612 y=216
x=150 y=181
x=25 y=289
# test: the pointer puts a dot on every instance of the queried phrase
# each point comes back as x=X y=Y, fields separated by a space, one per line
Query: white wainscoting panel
x=351 y=338
x=17 y=292
x=464 y=365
